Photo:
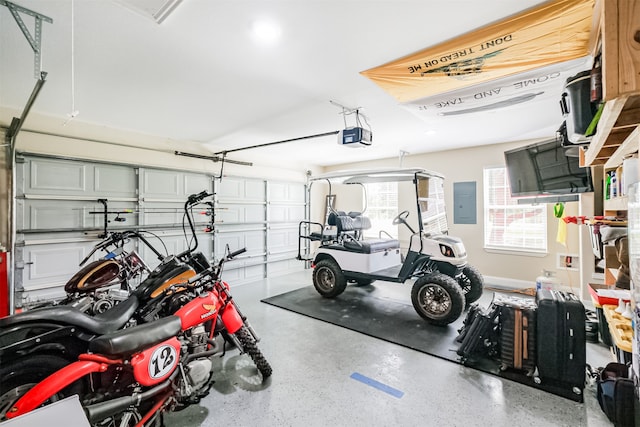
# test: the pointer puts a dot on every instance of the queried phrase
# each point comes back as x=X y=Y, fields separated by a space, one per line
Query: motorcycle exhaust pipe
x=216 y=348
x=100 y=411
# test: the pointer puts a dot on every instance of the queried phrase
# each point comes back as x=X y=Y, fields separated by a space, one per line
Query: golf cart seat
x=370 y=246
x=327 y=234
x=350 y=227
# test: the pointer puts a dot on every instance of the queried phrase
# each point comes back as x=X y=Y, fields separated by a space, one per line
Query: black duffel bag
x=615 y=394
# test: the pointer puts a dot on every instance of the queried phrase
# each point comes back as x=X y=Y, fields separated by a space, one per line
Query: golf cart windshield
x=429 y=191
x=431 y=206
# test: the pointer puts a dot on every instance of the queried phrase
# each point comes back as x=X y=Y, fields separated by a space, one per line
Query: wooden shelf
x=611 y=134
x=615 y=29
x=616 y=36
x=628 y=146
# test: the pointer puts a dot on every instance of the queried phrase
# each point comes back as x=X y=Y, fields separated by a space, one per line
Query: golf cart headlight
x=446 y=251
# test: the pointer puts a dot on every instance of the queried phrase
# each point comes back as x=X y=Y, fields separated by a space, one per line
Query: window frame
x=510 y=208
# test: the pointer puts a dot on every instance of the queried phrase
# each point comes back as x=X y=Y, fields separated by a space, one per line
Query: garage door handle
x=20 y=265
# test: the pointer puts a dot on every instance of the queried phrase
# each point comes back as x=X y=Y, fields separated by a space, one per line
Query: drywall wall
x=505 y=268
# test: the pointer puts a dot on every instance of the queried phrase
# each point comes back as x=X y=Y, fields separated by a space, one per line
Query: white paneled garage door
x=262 y=216
x=60 y=212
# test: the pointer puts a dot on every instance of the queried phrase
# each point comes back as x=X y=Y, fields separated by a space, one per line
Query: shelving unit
x=615 y=35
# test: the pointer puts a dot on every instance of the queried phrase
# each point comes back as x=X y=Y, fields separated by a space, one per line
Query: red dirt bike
x=132 y=376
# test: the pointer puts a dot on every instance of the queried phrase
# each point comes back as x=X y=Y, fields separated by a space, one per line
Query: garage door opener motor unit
x=355 y=137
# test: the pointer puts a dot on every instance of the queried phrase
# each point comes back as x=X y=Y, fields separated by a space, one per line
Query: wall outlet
x=568 y=261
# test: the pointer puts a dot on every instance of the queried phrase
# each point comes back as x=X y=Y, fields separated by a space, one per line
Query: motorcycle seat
x=130 y=340
x=100 y=324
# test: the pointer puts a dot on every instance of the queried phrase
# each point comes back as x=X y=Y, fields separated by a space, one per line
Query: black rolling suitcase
x=480 y=337
x=472 y=313
x=561 y=339
x=517 y=334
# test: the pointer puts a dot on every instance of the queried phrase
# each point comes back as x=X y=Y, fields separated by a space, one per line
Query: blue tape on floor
x=375 y=384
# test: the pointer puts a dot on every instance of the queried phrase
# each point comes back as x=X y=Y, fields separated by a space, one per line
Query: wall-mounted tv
x=545 y=169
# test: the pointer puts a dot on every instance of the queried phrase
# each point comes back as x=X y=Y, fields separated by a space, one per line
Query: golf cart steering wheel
x=401 y=218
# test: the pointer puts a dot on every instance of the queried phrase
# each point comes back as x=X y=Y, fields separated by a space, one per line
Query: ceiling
x=199 y=75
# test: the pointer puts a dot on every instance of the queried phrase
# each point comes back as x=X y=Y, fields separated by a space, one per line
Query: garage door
x=60 y=214
x=263 y=217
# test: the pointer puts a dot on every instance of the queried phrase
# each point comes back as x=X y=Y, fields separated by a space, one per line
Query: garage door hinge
x=20 y=159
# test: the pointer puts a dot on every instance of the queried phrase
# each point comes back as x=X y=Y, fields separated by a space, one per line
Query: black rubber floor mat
x=373 y=311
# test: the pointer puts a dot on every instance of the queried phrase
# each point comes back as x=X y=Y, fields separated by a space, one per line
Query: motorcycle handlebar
x=115 y=237
x=215 y=271
x=109 y=240
x=195 y=198
x=236 y=253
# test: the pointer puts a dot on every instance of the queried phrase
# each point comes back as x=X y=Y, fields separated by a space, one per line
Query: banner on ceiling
x=555 y=32
x=527 y=87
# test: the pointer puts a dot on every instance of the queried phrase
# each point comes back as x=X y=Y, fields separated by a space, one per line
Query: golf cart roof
x=375 y=175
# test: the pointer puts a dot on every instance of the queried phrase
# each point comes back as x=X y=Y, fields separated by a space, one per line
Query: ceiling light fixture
x=265 y=31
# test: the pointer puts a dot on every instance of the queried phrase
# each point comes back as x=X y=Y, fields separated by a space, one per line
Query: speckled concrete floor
x=312 y=385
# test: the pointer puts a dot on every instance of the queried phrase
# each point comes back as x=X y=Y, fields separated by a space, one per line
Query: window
x=382 y=207
x=507 y=224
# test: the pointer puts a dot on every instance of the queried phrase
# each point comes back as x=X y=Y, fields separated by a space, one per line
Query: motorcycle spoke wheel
x=250 y=347
x=123 y=419
x=21 y=375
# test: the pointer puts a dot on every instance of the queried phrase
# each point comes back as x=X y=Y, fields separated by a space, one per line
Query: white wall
x=41 y=143
x=501 y=268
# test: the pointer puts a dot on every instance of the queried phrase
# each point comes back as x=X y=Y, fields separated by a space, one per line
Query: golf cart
x=340 y=254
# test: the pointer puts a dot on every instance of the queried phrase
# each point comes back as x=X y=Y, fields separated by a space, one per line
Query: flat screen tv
x=545 y=169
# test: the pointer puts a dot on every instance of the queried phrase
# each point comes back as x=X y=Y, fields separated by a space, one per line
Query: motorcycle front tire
x=250 y=346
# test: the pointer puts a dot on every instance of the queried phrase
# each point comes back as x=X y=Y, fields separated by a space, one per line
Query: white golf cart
x=340 y=254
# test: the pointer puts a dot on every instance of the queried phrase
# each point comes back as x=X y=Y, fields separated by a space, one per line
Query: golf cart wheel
x=472 y=283
x=437 y=298
x=328 y=279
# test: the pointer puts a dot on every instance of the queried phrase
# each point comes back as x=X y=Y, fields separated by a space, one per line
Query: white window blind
x=507 y=224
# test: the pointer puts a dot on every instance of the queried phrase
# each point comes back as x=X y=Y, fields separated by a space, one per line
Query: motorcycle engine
x=198 y=372
x=99 y=302
x=83 y=304
x=105 y=300
x=197 y=340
